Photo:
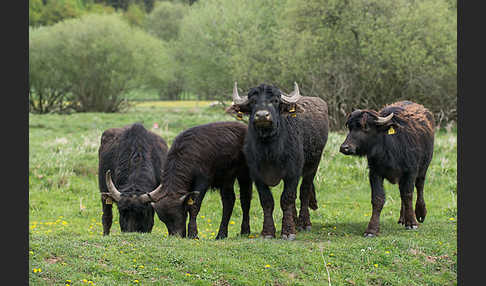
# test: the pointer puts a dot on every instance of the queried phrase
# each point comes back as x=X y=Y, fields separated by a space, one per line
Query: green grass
x=65 y=232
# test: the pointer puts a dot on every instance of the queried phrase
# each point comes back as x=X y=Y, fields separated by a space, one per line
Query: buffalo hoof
x=304 y=228
x=192 y=236
x=290 y=236
x=245 y=231
x=218 y=237
x=420 y=213
x=268 y=236
x=368 y=234
x=411 y=227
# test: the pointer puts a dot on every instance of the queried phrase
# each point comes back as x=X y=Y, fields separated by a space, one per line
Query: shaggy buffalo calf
x=286 y=137
x=130 y=163
x=202 y=157
x=398 y=142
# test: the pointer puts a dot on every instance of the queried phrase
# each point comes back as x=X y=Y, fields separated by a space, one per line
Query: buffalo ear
x=189 y=198
x=291 y=108
x=238 y=109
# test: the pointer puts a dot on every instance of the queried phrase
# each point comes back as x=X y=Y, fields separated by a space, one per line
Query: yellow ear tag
x=391 y=131
x=108 y=201
x=240 y=115
x=190 y=202
x=294 y=115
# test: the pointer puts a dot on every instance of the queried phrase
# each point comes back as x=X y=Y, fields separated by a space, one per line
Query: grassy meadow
x=66 y=245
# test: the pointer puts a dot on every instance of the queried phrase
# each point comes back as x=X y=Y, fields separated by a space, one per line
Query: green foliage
x=42 y=12
x=165 y=20
x=226 y=41
x=35 y=12
x=65 y=231
x=58 y=10
x=353 y=53
x=364 y=54
x=135 y=15
x=48 y=91
x=100 y=58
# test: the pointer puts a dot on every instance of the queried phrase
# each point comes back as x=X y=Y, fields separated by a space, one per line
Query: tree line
x=352 y=53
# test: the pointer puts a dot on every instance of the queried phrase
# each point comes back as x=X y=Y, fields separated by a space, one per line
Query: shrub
x=165 y=20
x=48 y=91
x=225 y=41
x=365 y=54
x=135 y=15
x=99 y=58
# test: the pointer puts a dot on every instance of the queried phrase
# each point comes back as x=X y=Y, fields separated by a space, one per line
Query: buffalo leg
x=401 y=220
x=307 y=191
x=245 y=201
x=287 y=203
x=266 y=200
x=194 y=210
x=107 y=216
x=377 y=202
x=228 y=199
x=406 y=186
x=420 y=209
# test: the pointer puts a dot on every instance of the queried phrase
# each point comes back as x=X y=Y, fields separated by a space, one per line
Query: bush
x=365 y=54
x=99 y=58
x=135 y=15
x=48 y=91
x=165 y=20
x=224 y=41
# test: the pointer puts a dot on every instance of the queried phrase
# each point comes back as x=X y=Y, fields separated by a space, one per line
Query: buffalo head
x=364 y=127
x=136 y=212
x=265 y=104
x=172 y=210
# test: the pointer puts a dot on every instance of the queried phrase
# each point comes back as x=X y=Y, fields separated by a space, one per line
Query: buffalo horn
x=293 y=97
x=152 y=196
x=384 y=120
x=236 y=97
x=114 y=193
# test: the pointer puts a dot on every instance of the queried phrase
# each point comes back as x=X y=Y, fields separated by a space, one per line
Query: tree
x=365 y=54
x=99 y=58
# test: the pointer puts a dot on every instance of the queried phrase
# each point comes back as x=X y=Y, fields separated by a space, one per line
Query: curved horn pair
x=291 y=98
x=116 y=195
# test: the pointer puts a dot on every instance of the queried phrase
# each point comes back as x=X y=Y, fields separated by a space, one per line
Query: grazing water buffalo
x=286 y=137
x=202 y=157
x=398 y=142
x=130 y=164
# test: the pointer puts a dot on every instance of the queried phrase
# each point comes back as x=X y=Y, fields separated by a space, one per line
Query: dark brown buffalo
x=398 y=142
x=203 y=157
x=286 y=137
x=130 y=164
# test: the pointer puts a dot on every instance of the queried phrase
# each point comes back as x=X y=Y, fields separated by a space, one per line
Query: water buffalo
x=398 y=142
x=203 y=157
x=130 y=164
x=286 y=137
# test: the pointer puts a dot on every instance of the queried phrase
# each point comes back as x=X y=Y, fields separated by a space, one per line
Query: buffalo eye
x=275 y=101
